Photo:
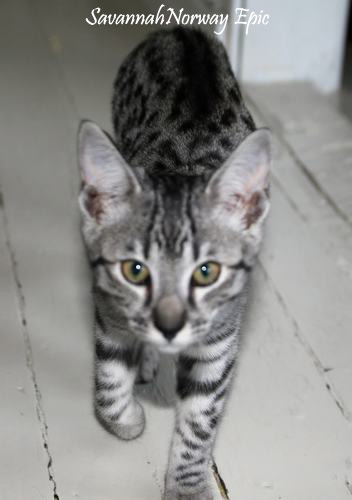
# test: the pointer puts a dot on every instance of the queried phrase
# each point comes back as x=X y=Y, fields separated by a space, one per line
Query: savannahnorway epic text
x=166 y=16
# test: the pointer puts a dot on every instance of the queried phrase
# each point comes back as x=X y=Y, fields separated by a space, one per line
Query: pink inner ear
x=237 y=201
x=94 y=202
x=253 y=208
x=257 y=181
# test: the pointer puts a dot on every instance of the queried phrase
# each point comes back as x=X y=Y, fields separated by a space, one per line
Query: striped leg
x=149 y=363
x=203 y=378
x=115 y=373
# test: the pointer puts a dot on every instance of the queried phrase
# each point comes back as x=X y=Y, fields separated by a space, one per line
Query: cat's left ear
x=240 y=187
x=108 y=183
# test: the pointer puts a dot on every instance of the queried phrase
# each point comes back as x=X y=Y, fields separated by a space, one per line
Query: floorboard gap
x=21 y=303
x=299 y=163
x=348 y=486
x=323 y=373
x=224 y=492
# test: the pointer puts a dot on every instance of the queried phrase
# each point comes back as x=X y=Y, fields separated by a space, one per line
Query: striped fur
x=183 y=182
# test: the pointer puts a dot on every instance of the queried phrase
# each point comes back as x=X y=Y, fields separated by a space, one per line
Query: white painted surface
x=23 y=460
x=284 y=435
x=303 y=41
x=322 y=137
x=316 y=214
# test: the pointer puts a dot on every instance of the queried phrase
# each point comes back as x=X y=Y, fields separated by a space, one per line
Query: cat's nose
x=169 y=316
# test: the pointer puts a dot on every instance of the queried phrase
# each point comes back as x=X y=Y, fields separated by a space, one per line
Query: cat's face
x=173 y=251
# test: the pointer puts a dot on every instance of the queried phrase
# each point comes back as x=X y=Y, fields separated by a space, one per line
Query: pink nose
x=169 y=316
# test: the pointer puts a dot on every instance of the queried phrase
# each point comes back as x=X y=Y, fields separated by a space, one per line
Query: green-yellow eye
x=206 y=274
x=135 y=272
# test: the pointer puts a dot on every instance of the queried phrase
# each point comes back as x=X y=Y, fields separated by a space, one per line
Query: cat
x=172 y=217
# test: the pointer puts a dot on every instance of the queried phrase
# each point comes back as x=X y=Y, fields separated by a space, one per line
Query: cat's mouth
x=179 y=342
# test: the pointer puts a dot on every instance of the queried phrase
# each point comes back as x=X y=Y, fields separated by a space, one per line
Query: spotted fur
x=183 y=182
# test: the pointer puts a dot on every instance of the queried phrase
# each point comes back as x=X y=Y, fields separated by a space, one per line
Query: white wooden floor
x=287 y=433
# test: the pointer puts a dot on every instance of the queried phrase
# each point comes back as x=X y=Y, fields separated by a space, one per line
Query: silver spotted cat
x=172 y=216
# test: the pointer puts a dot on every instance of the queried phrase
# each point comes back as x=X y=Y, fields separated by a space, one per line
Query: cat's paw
x=130 y=424
x=149 y=364
x=205 y=494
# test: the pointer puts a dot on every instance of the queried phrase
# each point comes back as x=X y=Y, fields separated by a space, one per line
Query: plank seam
x=224 y=492
x=54 y=59
x=21 y=304
x=320 y=368
x=291 y=202
x=299 y=163
x=348 y=486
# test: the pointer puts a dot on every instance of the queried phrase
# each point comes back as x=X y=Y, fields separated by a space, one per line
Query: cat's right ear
x=108 y=183
x=238 y=191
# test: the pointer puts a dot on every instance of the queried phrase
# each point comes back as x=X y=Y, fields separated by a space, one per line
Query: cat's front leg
x=201 y=388
x=149 y=364
x=115 y=373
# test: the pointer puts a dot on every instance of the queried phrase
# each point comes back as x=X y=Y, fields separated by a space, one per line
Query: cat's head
x=175 y=250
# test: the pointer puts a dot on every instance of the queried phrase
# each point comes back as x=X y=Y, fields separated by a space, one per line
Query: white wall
x=304 y=40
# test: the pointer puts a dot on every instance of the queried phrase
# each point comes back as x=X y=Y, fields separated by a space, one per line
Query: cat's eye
x=206 y=274
x=135 y=272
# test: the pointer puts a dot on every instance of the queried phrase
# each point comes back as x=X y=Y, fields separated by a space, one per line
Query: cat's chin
x=169 y=349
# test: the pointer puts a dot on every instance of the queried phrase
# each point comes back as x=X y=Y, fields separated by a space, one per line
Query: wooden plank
x=319 y=134
x=99 y=50
x=282 y=436
x=23 y=459
x=308 y=254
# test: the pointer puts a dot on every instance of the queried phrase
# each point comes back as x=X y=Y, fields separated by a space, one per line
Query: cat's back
x=177 y=106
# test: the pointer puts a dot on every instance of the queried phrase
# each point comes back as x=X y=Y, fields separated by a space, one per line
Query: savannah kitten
x=172 y=212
